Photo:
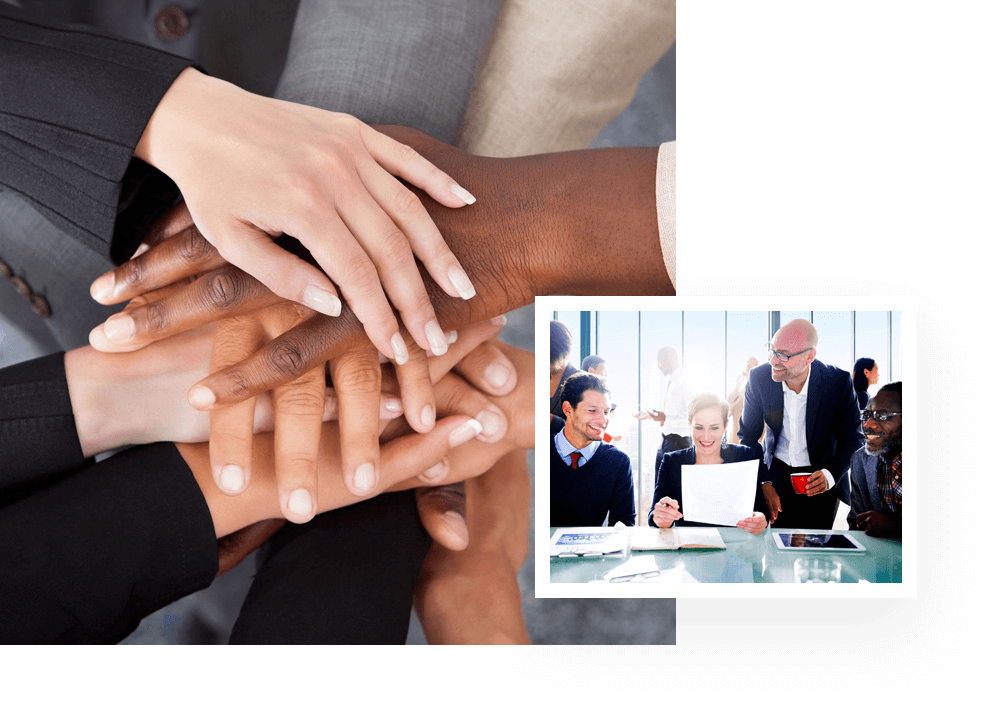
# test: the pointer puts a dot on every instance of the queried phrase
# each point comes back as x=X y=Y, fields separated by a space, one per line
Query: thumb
x=443 y=514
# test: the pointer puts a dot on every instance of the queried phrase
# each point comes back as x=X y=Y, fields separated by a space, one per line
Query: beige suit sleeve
x=665 y=205
x=557 y=72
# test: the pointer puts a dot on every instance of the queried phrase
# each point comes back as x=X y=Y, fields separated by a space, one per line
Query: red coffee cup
x=800 y=482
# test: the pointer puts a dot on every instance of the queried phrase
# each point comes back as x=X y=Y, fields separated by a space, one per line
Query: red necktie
x=575 y=459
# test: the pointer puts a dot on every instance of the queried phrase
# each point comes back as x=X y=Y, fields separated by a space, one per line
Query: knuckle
x=405 y=153
x=405 y=203
x=224 y=288
x=194 y=247
x=155 y=318
x=302 y=401
x=285 y=358
x=132 y=273
x=304 y=193
x=356 y=377
x=395 y=247
x=359 y=270
x=239 y=384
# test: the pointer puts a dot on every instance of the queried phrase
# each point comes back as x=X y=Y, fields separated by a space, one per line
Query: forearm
x=472 y=596
x=117 y=398
x=535 y=217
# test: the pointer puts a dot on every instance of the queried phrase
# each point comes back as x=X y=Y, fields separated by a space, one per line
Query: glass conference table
x=747 y=559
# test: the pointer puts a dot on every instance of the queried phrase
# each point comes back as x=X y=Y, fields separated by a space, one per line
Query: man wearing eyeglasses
x=813 y=427
x=877 y=468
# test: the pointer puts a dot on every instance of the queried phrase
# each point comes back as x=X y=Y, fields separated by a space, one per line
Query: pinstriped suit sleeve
x=73 y=104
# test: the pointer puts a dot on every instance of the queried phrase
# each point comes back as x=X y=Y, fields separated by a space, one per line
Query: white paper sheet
x=722 y=494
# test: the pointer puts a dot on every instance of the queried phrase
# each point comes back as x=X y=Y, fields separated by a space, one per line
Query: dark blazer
x=669 y=482
x=74 y=101
x=834 y=430
x=87 y=550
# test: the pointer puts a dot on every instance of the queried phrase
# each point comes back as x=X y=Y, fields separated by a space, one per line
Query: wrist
x=597 y=203
x=168 y=134
x=103 y=407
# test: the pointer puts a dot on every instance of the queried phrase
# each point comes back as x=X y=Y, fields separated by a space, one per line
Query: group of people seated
x=798 y=416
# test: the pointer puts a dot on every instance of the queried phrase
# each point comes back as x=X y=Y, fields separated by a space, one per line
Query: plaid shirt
x=889 y=478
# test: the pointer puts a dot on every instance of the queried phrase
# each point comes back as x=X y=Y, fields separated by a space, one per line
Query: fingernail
x=321 y=300
x=436 y=472
x=399 y=349
x=464 y=433
x=103 y=288
x=436 y=338
x=492 y=423
x=497 y=375
x=365 y=478
x=427 y=417
x=460 y=192
x=394 y=406
x=300 y=503
x=452 y=337
x=200 y=397
x=500 y=320
x=455 y=524
x=232 y=479
x=119 y=328
x=460 y=280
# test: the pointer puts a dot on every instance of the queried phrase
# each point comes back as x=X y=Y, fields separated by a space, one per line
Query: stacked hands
x=209 y=275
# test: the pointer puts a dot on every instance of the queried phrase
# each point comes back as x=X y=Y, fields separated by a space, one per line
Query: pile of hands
x=273 y=348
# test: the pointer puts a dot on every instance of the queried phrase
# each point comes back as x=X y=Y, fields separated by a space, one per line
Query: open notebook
x=648 y=538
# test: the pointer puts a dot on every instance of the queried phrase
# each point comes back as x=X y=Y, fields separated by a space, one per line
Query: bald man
x=812 y=420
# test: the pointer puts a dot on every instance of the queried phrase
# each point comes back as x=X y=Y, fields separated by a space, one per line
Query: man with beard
x=811 y=422
x=877 y=484
x=590 y=480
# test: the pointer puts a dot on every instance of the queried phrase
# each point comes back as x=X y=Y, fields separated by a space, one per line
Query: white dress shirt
x=675 y=406
x=791 y=448
x=565 y=449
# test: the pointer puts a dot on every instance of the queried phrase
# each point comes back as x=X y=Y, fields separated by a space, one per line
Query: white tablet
x=811 y=541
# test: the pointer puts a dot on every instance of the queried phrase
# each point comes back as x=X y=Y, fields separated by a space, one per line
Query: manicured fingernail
x=497 y=375
x=427 y=417
x=436 y=338
x=365 y=478
x=464 y=433
x=492 y=423
x=103 y=288
x=435 y=473
x=452 y=337
x=393 y=406
x=232 y=479
x=200 y=397
x=455 y=524
x=321 y=300
x=460 y=280
x=399 y=349
x=119 y=328
x=300 y=503
x=460 y=192
x=499 y=320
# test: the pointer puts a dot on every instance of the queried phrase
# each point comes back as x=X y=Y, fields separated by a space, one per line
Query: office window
x=834 y=338
x=571 y=320
x=713 y=348
x=872 y=340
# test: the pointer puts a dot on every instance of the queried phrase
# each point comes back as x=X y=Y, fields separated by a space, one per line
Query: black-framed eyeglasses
x=783 y=356
x=879 y=415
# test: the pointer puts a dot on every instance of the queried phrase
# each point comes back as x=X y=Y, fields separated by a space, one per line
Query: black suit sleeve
x=847 y=430
x=667 y=483
x=74 y=102
x=752 y=423
x=86 y=553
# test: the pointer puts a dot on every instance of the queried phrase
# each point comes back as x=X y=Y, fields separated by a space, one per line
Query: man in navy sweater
x=591 y=481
